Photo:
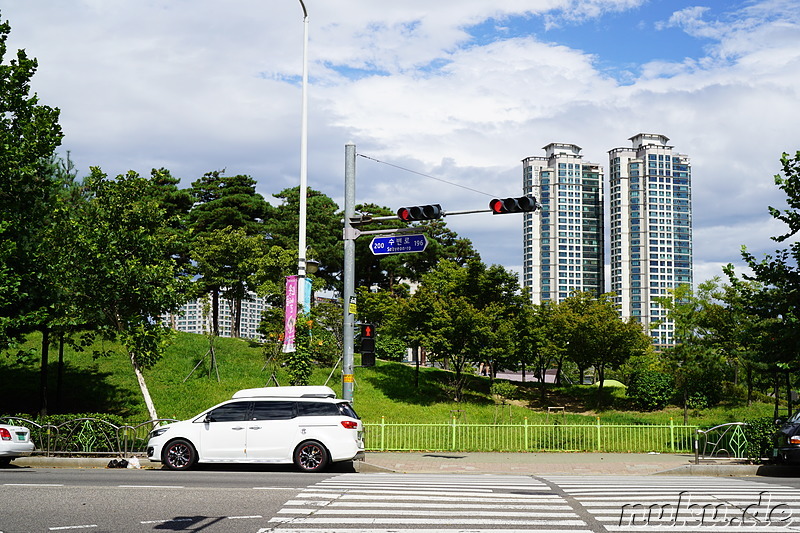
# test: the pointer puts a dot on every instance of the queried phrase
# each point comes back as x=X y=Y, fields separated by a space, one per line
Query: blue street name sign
x=398 y=244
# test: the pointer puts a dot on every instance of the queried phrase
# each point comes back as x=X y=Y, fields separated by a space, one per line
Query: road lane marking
x=33 y=485
x=151 y=487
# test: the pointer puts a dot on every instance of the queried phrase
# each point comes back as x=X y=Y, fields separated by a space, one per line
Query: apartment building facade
x=650 y=229
x=563 y=241
x=195 y=317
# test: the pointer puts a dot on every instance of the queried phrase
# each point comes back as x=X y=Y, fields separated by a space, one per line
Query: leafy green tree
x=597 y=336
x=323 y=231
x=229 y=258
x=223 y=202
x=538 y=341
x=177 y=203
x=126 y=282
x=777 y=299
x=694 y=360
x=29 y=136
x=456 y=314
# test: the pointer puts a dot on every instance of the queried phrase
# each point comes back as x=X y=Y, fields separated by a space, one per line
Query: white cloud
x=195 y=85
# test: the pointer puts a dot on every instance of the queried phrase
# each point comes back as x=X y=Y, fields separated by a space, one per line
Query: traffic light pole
x=348 y=379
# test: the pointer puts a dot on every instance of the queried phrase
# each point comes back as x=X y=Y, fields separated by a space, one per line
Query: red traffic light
x=522 y=204
x=420 y=212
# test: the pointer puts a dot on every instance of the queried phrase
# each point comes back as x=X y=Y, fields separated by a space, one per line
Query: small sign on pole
x=398 y=244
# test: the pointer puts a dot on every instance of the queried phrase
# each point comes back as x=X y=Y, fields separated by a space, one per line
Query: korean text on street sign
x=399 y=244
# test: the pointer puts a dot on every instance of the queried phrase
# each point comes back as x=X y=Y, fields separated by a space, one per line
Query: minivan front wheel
x=179 y=454
x=311 y=456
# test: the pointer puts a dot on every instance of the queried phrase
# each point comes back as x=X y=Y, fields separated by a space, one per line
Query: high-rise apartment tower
x=651 y=228
x=563 y=242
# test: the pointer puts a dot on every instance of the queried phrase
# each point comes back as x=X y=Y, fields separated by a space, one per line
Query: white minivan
x=306 y=426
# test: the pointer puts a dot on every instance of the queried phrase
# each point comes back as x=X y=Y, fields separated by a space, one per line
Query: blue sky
x=462 y=90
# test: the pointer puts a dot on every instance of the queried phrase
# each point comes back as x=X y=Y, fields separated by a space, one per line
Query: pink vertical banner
x=290 y=314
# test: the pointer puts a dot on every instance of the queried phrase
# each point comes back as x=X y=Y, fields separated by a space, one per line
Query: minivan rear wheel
x=311 y=456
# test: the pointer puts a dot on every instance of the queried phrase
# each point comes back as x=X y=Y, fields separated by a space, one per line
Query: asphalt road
x=260 y=500
x=144 y=500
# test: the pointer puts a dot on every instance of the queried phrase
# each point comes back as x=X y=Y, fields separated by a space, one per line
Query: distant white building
x=195 y=317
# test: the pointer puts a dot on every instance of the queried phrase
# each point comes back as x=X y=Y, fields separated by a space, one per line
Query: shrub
x=504 y=390
x=650 y=390
x=759 y=433
x=704 y=390
x=390 y=348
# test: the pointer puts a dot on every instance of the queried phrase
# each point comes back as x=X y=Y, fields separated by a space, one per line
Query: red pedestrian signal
x=367 y=345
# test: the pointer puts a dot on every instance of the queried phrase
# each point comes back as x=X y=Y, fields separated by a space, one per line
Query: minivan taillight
x=5 y=434
x=349 y=424
x=794 y=439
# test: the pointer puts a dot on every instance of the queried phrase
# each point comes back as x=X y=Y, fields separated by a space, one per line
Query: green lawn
x=107 y=385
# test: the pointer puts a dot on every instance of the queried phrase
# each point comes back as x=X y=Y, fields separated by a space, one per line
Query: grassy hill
x=107 y=385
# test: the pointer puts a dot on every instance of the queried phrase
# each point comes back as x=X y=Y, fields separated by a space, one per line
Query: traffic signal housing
x=420 y=212
x=522 y=204
x=367 y=345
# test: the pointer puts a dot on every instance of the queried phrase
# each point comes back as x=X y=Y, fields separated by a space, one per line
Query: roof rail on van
x=313 y=391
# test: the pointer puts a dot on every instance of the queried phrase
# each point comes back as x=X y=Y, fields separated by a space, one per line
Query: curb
x=712 y=470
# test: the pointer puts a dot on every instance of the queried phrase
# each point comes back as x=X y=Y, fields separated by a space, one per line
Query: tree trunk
x=601 y=377
x=789 y=405
x=215 y=312
x=685 y=405
x=148 y=401
x=777 y=394
x=43 y=371
x=238 y=318
x=558 y=372
x=416 y=353
x=60 y=375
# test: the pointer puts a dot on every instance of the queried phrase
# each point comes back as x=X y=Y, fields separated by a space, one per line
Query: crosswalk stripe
x=684 y=504
x=443 y=502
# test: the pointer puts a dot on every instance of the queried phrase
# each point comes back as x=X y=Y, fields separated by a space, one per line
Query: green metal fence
x=597 y=437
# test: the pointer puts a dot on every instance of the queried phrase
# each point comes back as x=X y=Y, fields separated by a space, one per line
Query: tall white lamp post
x=301 y=241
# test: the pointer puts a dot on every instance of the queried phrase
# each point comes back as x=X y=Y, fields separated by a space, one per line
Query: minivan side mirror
x=208 y=418
x=780 y=421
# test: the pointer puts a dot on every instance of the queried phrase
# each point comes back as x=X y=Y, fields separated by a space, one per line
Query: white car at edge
x=15 y=441
x=306 y=426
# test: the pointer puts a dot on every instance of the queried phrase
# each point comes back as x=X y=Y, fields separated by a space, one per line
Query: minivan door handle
x=255 y=427
x=237 y=428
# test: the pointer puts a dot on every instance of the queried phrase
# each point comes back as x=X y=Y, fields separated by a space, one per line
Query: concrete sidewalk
x=502 y=463
x=558 y=463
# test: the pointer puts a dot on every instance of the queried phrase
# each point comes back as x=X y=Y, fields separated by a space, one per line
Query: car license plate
x=21 y=436
x=774 y=452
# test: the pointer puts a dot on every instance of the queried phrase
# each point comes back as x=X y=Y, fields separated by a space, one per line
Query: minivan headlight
x=158 y=432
